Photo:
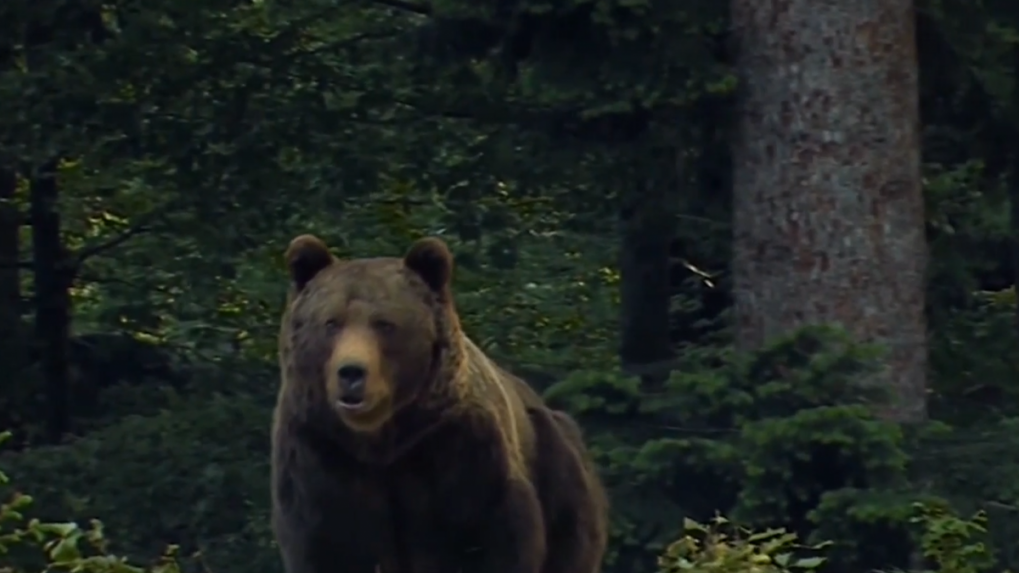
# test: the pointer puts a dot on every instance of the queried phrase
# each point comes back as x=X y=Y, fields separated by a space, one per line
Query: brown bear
x=400 y=447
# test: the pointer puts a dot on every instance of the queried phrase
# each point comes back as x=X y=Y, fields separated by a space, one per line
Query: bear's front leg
x=514 y=538
x=323 y=523
x=313 y=544
x=319 y=550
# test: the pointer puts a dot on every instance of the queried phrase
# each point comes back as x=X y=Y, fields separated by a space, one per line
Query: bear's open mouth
x=351 y=403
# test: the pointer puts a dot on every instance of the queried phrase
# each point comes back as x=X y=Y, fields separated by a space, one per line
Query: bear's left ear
x=431 y=259
x=306 y=256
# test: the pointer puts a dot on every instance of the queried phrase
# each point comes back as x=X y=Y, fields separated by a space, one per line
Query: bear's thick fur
x=399 y=446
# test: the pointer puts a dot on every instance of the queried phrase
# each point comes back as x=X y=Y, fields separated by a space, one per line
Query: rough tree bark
x=829 y=214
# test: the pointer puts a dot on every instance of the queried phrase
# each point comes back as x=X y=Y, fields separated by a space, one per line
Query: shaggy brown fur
x=444 y=463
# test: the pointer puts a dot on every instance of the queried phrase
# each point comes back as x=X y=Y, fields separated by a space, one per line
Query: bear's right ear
x=306 y=256
x=431 y=260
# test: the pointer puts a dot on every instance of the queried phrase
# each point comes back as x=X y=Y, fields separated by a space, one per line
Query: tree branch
x=572 y=122
x=90 y=251
x=502 y=113
x=660 y=367
x=293 y=29
x=100 y=280
x=341 y=44
x=75 y=260
x=143 y=225
x=405 y=6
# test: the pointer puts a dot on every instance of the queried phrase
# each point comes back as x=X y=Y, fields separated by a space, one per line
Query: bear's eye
x=332 y=326
x=383 y=326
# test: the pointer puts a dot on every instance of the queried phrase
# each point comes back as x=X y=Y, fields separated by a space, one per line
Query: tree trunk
x=1013 y=187
x=1013 y=196
x=648 y=223
x=828 y=206
x=54 y=275
x=12 y=342
x=12 y=351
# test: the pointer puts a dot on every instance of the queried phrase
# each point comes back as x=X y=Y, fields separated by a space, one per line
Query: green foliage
x=29 y=544
x=724 y=548
x=969 y=384
x=949 y=543
x=195 y=475
x=785 y=437
x=195 y=139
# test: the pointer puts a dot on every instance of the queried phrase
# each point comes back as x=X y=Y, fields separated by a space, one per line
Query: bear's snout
x=351 y=377
x=357 y=384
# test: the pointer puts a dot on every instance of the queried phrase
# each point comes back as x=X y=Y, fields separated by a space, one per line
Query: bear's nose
x=352 y=377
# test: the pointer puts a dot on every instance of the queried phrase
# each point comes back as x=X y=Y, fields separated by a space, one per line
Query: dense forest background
x=628 y=240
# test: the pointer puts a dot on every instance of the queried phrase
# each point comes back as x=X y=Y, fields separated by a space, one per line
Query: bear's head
x=367 y=337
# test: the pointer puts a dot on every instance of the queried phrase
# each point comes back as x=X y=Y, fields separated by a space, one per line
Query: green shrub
x=196 y=476
x=31 y=545
x=784 y=437
x=952 y=544
x=948 y=542
x=721 y=547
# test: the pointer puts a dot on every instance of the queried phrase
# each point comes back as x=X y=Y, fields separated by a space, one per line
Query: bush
x=196 y=475
x=784 y=437
x=949 y=544
x=29 y=545
x=721 y=547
